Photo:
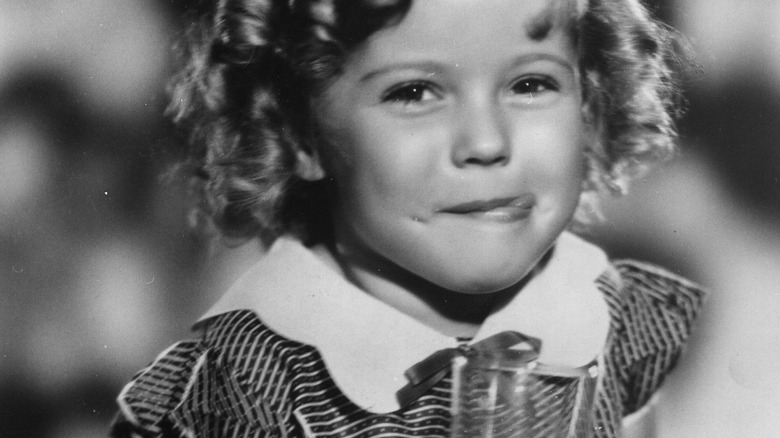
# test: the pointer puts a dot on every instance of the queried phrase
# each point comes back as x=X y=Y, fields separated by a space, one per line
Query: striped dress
x=242 y=379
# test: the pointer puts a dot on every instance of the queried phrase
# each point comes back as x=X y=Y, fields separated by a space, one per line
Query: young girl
x=415 y=166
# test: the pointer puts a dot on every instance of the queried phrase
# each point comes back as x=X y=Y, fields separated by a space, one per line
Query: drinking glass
x=507 y=394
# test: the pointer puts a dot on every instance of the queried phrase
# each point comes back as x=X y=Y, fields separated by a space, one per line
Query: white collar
x=367 y=345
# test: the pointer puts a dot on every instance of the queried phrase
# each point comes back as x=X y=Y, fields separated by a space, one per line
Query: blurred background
x=98 y=271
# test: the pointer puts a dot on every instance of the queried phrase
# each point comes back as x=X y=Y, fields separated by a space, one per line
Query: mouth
x=510 y=209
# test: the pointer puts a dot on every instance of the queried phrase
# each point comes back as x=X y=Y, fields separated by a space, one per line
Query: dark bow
x=424 y=374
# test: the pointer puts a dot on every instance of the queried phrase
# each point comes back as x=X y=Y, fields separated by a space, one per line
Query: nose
x=482 y=135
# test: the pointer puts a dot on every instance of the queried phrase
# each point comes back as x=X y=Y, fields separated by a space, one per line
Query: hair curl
x=630 y=64
x=251 y=66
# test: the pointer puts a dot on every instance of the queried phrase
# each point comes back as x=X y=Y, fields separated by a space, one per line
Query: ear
x=308 y=166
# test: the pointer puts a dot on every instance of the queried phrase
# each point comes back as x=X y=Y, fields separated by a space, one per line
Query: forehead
x=466 y=31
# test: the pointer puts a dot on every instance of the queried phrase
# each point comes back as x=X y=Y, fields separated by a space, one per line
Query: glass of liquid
x=507 y=394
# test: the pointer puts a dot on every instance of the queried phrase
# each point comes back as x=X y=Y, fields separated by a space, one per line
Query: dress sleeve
x=189 y=391
x=655 y=314
x=146 y=401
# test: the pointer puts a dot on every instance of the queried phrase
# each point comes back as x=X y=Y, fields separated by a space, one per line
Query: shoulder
x=653 y=312
x=235 y=373
x=646 y=300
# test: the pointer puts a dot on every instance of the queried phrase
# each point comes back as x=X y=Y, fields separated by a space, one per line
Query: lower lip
x=501 y=214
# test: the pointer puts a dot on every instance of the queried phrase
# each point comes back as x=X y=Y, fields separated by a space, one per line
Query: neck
x=450 y=313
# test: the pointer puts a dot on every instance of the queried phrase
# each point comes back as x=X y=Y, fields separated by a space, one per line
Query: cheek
x=381 y=163
x=556 y=157
x=565 y=168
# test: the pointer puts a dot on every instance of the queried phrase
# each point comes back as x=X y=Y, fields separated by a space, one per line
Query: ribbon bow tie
x=426 y=373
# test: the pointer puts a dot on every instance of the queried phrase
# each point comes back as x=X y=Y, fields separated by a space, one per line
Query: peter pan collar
x=367 y=345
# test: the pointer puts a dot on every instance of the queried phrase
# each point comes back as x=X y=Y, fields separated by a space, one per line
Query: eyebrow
x=533 y=57
x=434 y=68
x=430 y=67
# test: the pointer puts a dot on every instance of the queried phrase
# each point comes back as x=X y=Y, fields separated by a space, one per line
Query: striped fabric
x=241 y=379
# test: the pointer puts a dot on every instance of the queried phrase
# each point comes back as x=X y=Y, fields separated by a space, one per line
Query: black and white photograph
x=390 y=218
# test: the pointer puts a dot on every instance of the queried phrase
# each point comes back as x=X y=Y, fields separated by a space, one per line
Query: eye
x=410 y=94
x=529 y=88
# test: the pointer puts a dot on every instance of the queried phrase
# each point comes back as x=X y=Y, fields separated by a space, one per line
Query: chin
x=483 y=282
x=484 y=275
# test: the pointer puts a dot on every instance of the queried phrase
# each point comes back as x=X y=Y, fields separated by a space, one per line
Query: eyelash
x=409 y=93
x=537 y=86
x=414 y=93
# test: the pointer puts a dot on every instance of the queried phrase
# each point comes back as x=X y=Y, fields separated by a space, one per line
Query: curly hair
x=630 y=64
x=251 y=66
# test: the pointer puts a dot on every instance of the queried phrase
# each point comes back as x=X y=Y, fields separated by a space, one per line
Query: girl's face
x=456 y=142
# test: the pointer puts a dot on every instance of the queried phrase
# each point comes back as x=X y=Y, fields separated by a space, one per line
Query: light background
x=98 y=271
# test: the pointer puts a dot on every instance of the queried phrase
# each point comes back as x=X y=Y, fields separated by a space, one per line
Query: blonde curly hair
x=250 y=68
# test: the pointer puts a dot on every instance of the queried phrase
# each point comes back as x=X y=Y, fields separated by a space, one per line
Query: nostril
x=486 y=161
